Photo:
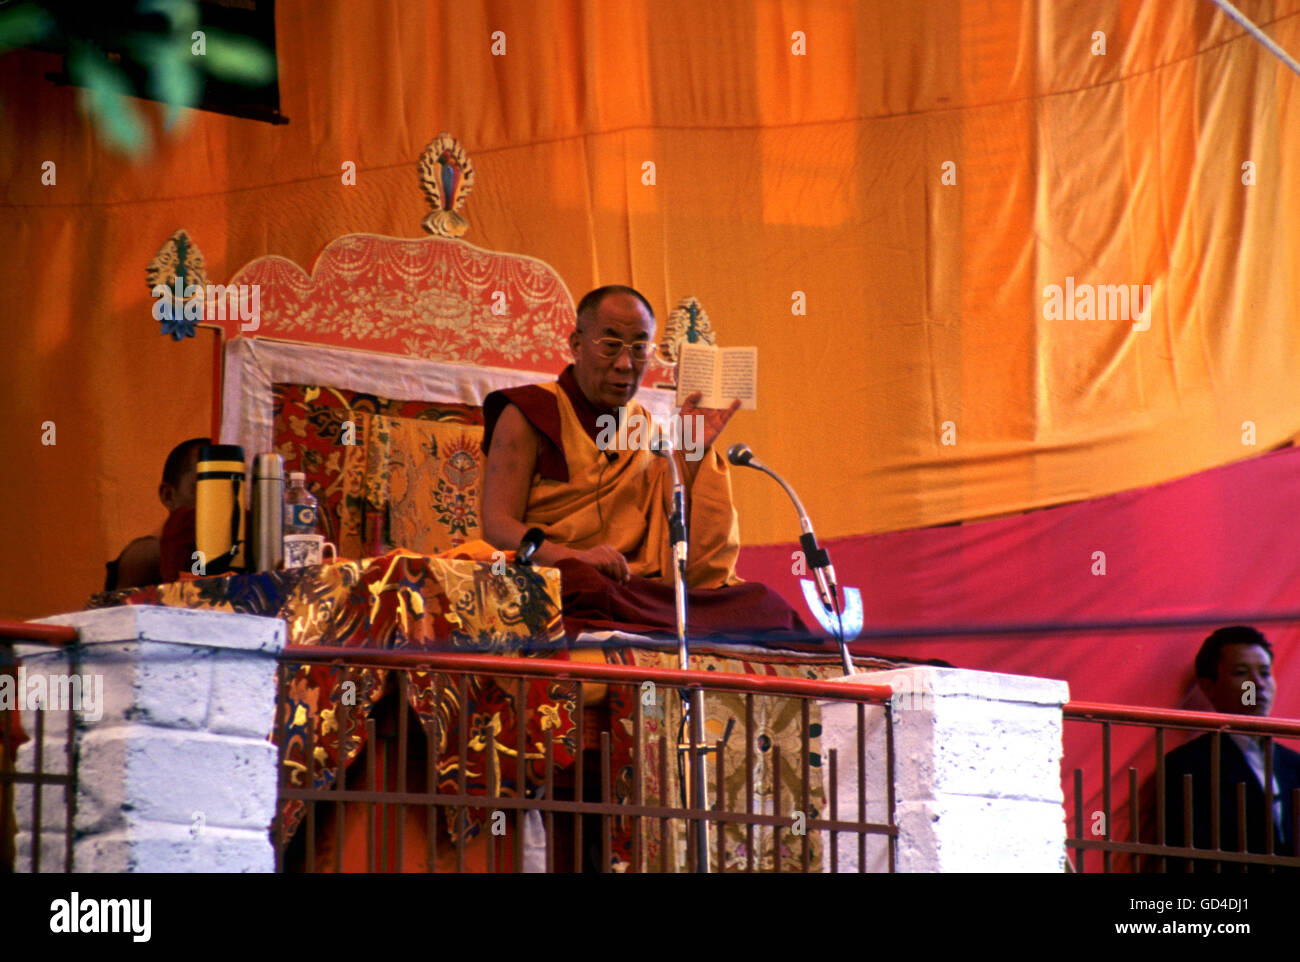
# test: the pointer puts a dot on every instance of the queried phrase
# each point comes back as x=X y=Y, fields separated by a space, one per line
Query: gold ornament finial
x=180 y=258
x=687 y=323
x=177 y=274
x=447 y=177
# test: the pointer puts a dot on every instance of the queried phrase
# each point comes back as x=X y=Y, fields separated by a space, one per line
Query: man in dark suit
x=1234 y=671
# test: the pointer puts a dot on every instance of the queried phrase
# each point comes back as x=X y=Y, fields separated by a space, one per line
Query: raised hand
x=714 y=419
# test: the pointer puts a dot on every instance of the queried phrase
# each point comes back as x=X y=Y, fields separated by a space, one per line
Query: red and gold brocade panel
x=387 y=473
x=777 y=723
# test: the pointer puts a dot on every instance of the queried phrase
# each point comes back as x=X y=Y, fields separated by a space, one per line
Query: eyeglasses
x=611 y=347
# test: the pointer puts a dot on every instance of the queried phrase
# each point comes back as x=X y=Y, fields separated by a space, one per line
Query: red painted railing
x=1146 y=847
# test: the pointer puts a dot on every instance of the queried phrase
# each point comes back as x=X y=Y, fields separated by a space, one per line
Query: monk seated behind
x=162 y=555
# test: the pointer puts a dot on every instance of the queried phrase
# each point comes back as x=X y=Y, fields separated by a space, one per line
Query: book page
x=738 y=377
x=696 y=371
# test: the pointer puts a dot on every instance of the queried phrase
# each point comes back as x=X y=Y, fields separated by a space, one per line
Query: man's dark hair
x=1207 y=659
x=590 y=302
x=179 y=459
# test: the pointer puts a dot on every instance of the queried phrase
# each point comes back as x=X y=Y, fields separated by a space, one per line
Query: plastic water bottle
x=300 y=509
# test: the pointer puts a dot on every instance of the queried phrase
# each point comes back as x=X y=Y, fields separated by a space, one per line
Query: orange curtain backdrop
x=778 y=177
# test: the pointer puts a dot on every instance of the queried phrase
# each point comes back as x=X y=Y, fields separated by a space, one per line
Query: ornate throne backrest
x=369 y=373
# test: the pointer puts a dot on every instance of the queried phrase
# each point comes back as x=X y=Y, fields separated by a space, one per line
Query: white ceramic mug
x=301 y=550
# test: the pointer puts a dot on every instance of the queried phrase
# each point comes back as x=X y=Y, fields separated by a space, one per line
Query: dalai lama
x=603 y=507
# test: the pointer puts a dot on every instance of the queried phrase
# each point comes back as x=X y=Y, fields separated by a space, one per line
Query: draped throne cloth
x=582 y=497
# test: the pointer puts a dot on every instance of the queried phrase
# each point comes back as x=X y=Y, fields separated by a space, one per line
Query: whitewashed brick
x=243 y=696
x=180 y=626
x=103 y=783
x=54 y=807
x=177 y=774
x=977 y=771
x=52 y=853
x=144 y=846
x=170 y=684
x=168 y=775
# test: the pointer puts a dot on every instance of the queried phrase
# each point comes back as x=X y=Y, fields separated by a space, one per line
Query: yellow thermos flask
x=219 y=509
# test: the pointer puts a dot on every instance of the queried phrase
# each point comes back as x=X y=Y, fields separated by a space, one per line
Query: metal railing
x=1147 y=846
x=379 y=795
x=12 y=779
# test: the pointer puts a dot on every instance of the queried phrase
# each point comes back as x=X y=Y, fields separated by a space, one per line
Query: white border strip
x=253 y=365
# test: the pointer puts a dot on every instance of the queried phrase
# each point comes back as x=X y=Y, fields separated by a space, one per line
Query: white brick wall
x=177 y=775
x=977 y=762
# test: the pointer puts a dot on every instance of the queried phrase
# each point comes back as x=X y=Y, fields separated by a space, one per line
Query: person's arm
x=178 y=543
x=507 y=479
x=138 y=564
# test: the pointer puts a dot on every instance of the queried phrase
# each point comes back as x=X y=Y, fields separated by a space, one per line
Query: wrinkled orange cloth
x=476 y=550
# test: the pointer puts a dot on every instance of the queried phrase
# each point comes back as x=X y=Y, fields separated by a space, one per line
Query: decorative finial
x=687 y=323
x=447 y=177
x=178 y=266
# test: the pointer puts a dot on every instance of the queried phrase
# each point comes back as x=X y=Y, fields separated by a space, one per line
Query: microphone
x=820 y=562
x=741 y=456
x=533 y=538
x=534 y=618
x=677 y=520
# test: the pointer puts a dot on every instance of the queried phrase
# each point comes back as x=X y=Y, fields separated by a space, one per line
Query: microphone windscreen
x=739 y=454
x=532 y=540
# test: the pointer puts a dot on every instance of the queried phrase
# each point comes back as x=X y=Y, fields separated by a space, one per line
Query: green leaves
x=173 y=77
x=104 y=97
x=165 y=38
x=238 y=59
x=24 y=24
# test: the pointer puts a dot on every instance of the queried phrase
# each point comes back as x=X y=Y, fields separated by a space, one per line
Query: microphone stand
x=692 y=698
x=823 y=574
x=818 y=559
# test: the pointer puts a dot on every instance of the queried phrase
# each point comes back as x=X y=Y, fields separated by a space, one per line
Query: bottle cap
x=297 y=476
x=268 y=467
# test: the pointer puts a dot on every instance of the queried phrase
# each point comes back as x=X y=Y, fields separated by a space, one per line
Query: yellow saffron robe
x=625 y=503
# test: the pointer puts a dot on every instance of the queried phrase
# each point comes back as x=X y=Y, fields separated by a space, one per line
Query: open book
x=722 y=373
